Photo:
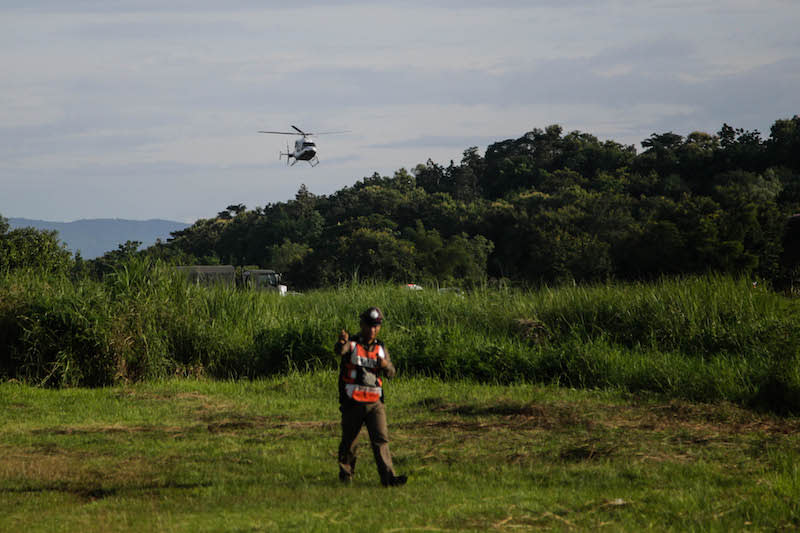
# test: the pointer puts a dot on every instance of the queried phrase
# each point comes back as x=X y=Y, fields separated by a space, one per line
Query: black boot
x=395 y=481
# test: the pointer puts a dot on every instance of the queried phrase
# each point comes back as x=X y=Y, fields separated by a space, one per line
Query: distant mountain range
x=94 y=237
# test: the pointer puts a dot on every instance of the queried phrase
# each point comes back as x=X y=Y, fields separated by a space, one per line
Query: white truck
x=263 y=280
x=251 y=279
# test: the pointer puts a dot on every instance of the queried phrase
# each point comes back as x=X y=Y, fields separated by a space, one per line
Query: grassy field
x=206 y=455
x=669 y=405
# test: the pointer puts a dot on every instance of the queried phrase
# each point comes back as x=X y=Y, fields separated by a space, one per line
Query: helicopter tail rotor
x=288 y=154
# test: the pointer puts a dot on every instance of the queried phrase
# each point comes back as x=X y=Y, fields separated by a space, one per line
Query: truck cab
x=265 y=280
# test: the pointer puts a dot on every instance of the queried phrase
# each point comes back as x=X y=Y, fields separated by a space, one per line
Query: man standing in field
x=363 y=360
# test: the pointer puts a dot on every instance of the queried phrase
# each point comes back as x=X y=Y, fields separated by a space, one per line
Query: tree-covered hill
x=547 y=207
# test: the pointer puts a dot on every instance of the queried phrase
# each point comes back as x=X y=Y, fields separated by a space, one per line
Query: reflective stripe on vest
x=360 y=356
x=361 y=393
x=367 y=360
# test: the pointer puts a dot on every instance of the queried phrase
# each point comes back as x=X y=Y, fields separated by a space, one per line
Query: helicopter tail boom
x=288 y=155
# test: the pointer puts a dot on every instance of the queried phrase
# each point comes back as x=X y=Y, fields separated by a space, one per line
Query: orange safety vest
x=360 y=373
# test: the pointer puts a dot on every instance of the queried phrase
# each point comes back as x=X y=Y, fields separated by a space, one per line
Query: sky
x=150 y=109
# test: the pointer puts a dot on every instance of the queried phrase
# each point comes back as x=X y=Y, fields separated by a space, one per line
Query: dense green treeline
x=31 y=248
x=545 y=208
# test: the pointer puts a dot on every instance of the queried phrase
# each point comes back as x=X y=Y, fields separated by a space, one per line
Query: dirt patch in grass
x=710 y=419
x=45 y=468
x=194 y=403
x=107 y=430
x=39 y=464
x=130 y=394
x=504 y=414
x=235 y=422
x=227 y=423
x=87 y=476
x=705 y=418
x=592 y=449
x=529 y=433
x=309 y=424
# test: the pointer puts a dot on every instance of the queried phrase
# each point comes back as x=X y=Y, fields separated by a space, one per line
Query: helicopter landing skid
x=314 y=161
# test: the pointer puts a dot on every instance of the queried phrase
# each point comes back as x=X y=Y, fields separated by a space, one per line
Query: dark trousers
x=355 y=415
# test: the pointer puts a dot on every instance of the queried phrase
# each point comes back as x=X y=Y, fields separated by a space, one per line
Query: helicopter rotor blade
x=332 y=132
x=304 y=133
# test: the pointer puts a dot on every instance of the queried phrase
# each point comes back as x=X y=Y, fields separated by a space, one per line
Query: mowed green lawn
x=188 y=455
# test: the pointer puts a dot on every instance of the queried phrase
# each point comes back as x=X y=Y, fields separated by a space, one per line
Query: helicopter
x=305 y=149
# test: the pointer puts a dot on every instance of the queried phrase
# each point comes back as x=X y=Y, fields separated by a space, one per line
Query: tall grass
x=705 y=338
